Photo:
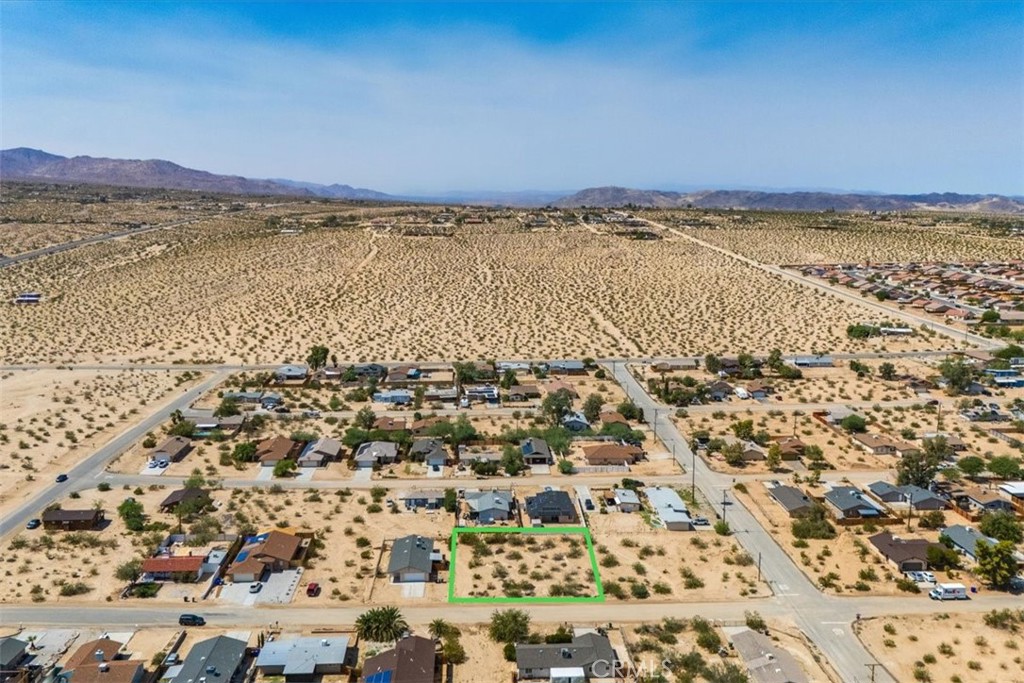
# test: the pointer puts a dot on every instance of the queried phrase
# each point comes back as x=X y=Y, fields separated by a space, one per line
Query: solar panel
x=380 y=677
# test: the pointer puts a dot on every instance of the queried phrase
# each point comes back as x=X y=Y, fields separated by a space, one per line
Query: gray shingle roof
x=584 y=651
x=411 y=552
x=222 y=653
x=489 y=500
x=550 y=504
x=791 y=498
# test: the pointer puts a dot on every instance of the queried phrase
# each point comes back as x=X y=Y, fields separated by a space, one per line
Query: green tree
x=512 y=460
x=195 y=480
x=774 y=456
x=365 y=417
x=712 y=363
x=733 y=454
x=228 y=407
x=508 y=379
x=1004 y=467
x=942 y=558
x=354 y=436
x=509 y=626
x=439 y=628
x=184 y=428
x=775 y=361
x=132 y=514
x=381 y=625
x=630 y=410
x=284 y=468
x=971 y=465
x=854 y=424
x=814 y=524
x=958 y=375
x=592 y=408
x=129 y=571
x=317 y=357
x=996 y=563
x=244 y=452
x=744 y=429
x=565 y=466
x=462 y=431
x=451 y=500
x=887 y=371
x=990 y=316
x=918 y=467
x=1002 y=526
x=556 y=405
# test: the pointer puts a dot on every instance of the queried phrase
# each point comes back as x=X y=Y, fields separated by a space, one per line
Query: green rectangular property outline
x=584 y=531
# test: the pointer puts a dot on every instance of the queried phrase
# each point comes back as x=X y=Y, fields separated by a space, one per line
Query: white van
x=948 y=591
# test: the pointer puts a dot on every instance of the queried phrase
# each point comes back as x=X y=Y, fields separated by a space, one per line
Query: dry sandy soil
x=368 y=294
x=960 y=647
x=523 y=565
x=787 y=238
x=52 y=418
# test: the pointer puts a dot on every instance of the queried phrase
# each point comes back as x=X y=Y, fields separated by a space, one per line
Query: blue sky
x=418 y=98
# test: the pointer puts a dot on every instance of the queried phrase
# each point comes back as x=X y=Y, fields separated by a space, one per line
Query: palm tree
x=381 y=624
x=439 y=628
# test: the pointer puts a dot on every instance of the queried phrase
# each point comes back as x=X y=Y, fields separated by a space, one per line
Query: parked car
x=313 y=590
x=191 y=620
x=152 y=465
x=33 y=524
x=255 y=587
x=311 y=413
x=163 y=464
x=61 y=478
x=589 y=504
x=701 y=521
x=282 y=409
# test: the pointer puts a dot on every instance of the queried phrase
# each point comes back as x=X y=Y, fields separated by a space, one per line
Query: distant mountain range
x=23 y=163
x=606 y=197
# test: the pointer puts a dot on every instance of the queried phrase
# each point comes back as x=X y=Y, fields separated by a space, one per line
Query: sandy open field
x=53 y=418
x=369 y=294
x=788 y=238
x=946 y=647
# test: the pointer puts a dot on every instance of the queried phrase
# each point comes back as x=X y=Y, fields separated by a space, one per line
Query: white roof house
x=670 y=508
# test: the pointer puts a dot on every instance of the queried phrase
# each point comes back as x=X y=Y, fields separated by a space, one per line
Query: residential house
x=218 y=659
x=376 y=453
x=523 y=392
x=575 y=422
x=320 y=452
x=1013 y=491
x=719 y=390
x=876 y=444
x=394 y=397
x=13 y=654
x=177 y=568
x=271 y=451
x=751 y=451
x=484 y=393
x=556 y=385
x=422 y=427
x=612 y=454
x=848 y=502
x=551 y=507
x=514 y=366
x=370 y=370
x=795 y=502
x=760 y=389
x=535 y=451
x=670 y=508
x=413 y=559
x=487 y=507
x=914 y=496
x=291 y=373
x=431 y=499
x=613 y=417
x=301 y=660
x=200 y=497
x=403 y=373
x=790 y=447
x=429 y=451
x=472 y=454
x=243 y=397
x=980 y=500
x=173 y=449
x=207 y=424
x=274 y=551
x=413 y=659
x=72 y=520
x=765 y=660
x=101 y=661
x=389 y=425
x=908 y=554
x=955 y=443
x=676 y=366
x=566 y=367
x=813 y=361
x=588 y=656
x=627 y=500
x=965 y=539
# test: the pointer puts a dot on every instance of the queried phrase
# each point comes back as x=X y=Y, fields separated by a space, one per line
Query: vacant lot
x=523 y=565
x=498 y=290
x=961 y=647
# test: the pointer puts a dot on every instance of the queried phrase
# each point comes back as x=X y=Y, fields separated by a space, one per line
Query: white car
x=255 y=587
x=927 y=576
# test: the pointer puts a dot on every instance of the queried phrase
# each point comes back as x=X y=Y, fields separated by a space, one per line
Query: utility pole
x=723 y=504
x=759 y=566
x=872 y=667
x=693 y=475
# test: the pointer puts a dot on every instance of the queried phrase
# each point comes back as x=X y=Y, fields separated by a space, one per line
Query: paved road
x=84 y=474
x=824 y=620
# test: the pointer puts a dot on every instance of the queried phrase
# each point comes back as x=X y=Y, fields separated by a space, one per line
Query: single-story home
x=306 y=658
x=876 y=444
x=566 y=367
x=965 y=539
x=384 y=423
x=613 y=417
x=72 y=520
x=431 y=499
x=978 y=499
x=627 y=500
x=413 y=559
x=184 y=568
x=271 y=451
x=765 y=660
x=556 y=385
x=176 y=498
x=813 y=361
x=848 y=502
x=486 y=507
x=790 y=447
x=486 y=393
x=172 y=449
x=376 y=453
x=751 y=451
x=908 y=554
x=394 y=396
x=291 y=373
x=429 y=451
x=413 y=659
x=523 y=392
x=669 y=508
x=422 y=426
x=535 y=451
x=760 y=389
x=575 y=422
x=588 y=656
x=551 y=507
x=13 y=652
x=915 y=496
x=274 y=551
x=719 y=390
x=219 y=658
x=101 y=661
x=612 y=454
x=795 y=502
x=320 y=452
